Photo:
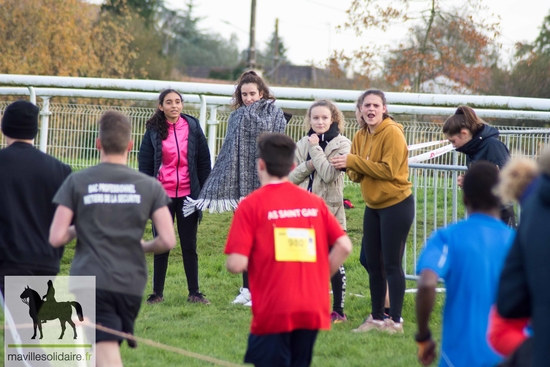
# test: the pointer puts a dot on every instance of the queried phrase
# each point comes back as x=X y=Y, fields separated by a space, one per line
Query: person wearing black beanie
x=20 y=120
x=29 y=181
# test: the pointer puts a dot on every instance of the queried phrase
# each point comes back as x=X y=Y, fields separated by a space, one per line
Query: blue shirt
x=469 y=256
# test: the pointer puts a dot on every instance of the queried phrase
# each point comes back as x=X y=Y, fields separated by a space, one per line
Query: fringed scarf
x=234 y=174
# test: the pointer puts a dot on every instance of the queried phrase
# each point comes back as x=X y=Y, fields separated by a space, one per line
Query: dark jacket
x=29 y=180
x=485 y=146
x=524 y=289
x=198 y=155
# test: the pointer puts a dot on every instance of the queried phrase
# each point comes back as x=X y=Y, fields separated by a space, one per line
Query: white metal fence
x=72 y=131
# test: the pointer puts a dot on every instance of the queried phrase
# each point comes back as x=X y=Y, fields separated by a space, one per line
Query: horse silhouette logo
x=47 y=308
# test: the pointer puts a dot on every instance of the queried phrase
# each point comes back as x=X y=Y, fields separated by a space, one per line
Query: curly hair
x=246 y=78
x=157 y=122
x=464 y=118
x=515 y=177
x=335 y=114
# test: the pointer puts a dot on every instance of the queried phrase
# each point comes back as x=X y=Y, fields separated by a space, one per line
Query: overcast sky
x=307 y=27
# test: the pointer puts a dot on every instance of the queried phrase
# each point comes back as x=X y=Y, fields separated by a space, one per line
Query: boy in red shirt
x=290 y=244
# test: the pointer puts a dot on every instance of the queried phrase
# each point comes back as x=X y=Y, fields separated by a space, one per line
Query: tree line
x=117 y=39
x=145 y=39
x=455 y=41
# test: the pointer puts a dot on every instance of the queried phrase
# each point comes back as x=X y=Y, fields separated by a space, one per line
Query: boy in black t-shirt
x=29 y=180
x=111 y=204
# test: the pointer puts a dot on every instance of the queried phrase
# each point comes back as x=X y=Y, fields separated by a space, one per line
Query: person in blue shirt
x=469 y=256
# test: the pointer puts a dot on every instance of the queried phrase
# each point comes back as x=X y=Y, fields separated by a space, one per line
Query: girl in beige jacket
x=314 y=172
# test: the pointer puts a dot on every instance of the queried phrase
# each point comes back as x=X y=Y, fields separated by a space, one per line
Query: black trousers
x=385 y=234
x=291 y=349
x=508 y=216
x=187 y=232
x=338 y=283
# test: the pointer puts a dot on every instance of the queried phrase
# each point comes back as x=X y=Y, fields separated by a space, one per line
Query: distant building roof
x=297 y=75
x=198 y=71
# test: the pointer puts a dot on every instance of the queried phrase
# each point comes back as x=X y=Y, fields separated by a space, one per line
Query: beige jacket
x=328 y=182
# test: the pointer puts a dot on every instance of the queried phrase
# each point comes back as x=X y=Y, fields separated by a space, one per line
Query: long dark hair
x=157 y=122
x=376 y=92
x=246 y=78
x=464 y=118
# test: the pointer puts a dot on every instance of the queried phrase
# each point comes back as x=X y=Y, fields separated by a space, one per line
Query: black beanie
x=20 y=120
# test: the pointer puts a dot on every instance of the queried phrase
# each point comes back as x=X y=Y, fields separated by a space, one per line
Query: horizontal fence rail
x=68 y=130
x=496 y=102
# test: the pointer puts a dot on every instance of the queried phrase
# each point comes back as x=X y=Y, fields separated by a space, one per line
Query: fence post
x=202 y=116
x=212 y=128
x=32 y=95
x=44 y=120
x=455 y=187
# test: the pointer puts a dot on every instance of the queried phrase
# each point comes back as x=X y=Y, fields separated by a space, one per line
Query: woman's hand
x=339 y=161
x=313 y=139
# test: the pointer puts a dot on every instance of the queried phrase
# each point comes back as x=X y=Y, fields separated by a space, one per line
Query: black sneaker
x=198 y=297
x=154 y=298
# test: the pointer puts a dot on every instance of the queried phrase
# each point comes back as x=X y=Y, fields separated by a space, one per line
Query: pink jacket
x=174 y=171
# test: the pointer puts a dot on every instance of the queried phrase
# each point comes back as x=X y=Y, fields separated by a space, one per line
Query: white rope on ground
x=169 y=348
x=149 y=342
x=11 y=324
x=414 y=290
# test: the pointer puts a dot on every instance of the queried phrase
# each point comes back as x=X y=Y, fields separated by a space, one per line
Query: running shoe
x=335 y=318
x=392 y=327
x=243 y=297
x=369 y=324
x=198 y=297
x=154 y=298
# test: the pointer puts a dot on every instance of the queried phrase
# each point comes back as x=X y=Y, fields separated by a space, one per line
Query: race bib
x=295 y=244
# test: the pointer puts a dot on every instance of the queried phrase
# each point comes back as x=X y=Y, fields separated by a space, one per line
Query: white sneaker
x=243 y=297
x=369 y=324
x=392 y=327
x=248 y=304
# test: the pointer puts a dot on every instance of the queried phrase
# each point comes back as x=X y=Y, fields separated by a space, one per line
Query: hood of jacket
x=478 y=140
x=387 y=122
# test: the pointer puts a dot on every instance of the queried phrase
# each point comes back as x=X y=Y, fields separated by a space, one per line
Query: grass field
x=220 y=330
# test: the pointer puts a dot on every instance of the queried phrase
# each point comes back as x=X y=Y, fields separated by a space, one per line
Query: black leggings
x=385 y=234
x=338 y=282
x=187 y=231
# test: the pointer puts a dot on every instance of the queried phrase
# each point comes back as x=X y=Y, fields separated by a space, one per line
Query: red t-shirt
x=287 y=294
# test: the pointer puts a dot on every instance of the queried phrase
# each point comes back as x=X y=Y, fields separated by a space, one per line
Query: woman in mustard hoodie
x=379 y=162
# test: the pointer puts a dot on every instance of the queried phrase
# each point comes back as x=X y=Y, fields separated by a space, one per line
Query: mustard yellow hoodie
x=379 y=162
